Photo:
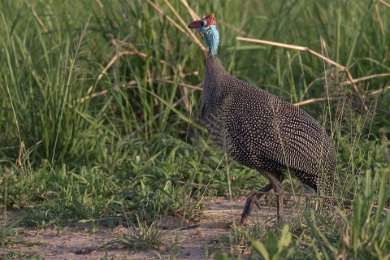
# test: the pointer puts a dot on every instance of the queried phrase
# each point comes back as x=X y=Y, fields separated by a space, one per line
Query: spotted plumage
x=260 y=130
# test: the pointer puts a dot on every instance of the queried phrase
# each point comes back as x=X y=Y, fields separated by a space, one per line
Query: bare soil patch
x=185 y=241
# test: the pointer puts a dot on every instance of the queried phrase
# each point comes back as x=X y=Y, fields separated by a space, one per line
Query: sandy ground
x=183 y=241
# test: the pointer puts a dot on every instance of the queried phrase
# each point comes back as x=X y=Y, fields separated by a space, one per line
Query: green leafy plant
x=272 y=248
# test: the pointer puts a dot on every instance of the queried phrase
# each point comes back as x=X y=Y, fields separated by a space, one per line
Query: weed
x=143 y=236
x=7 y=232
x=272 y=248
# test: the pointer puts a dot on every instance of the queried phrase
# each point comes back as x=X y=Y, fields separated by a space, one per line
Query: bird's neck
x=214 y=70
x=211 y=37
x=214 y=77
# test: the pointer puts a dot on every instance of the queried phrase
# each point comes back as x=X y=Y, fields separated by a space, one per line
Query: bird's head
x=208 y=28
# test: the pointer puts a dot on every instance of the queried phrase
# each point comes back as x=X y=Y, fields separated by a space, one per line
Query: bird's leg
x=277 y=185
x=253 y=198
x=279 y=206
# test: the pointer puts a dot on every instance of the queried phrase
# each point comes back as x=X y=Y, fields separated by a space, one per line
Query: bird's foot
x=280 y=219
x=247 y=209
x=253 y=199
x=244 y=221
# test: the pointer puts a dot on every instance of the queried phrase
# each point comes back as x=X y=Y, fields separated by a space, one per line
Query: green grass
x=143 y=236
x=80 y=146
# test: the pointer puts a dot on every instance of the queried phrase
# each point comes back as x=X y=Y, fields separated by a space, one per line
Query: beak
x=195 y=25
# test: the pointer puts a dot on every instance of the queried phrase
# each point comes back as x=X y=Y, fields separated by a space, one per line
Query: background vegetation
x=99 y=104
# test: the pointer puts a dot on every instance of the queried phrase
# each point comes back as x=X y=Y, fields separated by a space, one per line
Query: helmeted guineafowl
x=260 y=130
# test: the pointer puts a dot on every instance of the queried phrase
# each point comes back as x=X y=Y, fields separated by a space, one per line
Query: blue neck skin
x=211 y=37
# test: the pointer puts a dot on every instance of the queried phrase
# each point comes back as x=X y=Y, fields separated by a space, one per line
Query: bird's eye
x=203 y=22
